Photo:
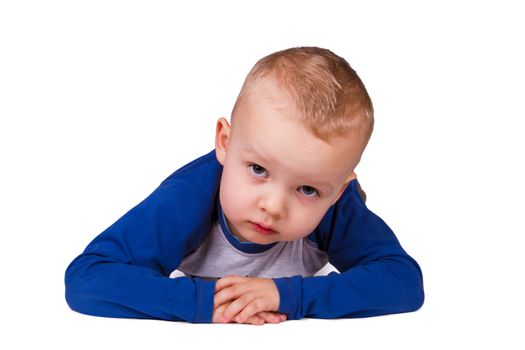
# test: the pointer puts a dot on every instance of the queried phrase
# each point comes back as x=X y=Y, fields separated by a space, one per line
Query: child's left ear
x=345 y=184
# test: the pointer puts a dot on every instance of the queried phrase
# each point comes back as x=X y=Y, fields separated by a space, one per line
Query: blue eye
x=308 y=191
x=258 y=170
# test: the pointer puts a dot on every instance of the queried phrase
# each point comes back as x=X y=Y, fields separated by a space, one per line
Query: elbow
x=71 y=297
x=415 y=292
x=409 y=281
x=416 y=299
x=73 y=282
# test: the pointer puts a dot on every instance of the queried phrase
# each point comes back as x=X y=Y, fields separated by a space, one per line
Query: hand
x=259 y=319
x=246 y=299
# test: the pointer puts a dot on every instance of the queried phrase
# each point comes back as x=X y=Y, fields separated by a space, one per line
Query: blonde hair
x=329 y=94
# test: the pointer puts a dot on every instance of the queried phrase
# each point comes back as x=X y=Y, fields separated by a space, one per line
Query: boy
x=251 y=223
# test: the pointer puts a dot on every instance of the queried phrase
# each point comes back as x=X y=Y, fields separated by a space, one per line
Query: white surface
x=101 y=100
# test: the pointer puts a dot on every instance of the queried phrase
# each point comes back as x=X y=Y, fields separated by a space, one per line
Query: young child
x=250 y=223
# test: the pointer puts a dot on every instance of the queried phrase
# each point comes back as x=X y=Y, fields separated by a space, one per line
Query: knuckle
x=256 y=320
x=246 y=298
x=259 y=304
x=222 y=297
x=266 y=317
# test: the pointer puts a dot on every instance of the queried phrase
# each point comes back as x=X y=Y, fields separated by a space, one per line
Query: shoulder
x=192 y=187
x=350 y=202
x=205 y=166
x=340 y=215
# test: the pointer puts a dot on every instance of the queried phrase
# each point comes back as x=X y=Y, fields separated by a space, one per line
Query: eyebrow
x=257 y=154
x=314 y=183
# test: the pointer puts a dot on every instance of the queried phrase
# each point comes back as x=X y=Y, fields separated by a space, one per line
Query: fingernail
x=283 y=317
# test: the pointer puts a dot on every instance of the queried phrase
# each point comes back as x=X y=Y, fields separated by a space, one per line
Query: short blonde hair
x=325 y=89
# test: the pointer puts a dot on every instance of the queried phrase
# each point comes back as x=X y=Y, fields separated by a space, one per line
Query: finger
x=255 y=320
x=228 y=281
x=269 y=317
x=230 y=293
x=251 y=308
x=233 y=310
x=217 y=313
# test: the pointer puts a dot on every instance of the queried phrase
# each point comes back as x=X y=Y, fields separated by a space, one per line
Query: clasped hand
x=251 y=300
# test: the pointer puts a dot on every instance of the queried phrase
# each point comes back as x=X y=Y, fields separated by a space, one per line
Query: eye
x=308 y=191
x=258 y=170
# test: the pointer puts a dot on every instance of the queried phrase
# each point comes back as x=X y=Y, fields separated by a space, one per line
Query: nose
x=273 y=203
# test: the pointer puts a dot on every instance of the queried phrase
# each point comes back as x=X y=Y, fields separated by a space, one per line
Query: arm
x=124 y=272
x=377 y=276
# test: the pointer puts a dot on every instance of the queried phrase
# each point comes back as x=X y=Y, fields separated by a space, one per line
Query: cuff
x=290 y=296
x=205 y=295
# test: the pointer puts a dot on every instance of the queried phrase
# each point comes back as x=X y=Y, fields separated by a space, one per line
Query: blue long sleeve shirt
x=124 y=272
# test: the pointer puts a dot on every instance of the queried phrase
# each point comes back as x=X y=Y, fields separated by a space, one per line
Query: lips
x=265 y=230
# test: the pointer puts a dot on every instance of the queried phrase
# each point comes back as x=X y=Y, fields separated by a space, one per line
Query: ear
x=222 y=139
x=343 y=188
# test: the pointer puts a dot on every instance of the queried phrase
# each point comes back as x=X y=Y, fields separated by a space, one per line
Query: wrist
x=290 y=296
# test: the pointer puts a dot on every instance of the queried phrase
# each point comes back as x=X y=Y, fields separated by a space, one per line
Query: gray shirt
x=216 y=257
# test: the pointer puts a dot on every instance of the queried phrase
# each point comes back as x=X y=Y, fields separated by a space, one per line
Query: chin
x=266 y=241
x=256 y=239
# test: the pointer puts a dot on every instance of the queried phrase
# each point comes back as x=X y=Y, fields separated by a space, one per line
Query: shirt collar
x=245 y=247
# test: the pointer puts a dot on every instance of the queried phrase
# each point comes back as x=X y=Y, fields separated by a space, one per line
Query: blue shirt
x=124 y=271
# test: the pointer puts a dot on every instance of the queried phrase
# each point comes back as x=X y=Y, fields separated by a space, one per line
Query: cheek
x=231 y=190
x=304 y=220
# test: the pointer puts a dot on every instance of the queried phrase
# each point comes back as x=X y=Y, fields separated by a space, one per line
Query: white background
x=101 y=100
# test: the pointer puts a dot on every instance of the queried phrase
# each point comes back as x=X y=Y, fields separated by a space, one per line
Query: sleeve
x=124 y=272
x=376 y=275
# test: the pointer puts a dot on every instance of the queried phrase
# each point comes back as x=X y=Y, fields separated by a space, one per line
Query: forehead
x=267 y=125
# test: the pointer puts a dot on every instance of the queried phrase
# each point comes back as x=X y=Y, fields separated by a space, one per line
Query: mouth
x=265 y=230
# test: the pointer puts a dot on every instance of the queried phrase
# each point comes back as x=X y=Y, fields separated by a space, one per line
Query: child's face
x=278 y=179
